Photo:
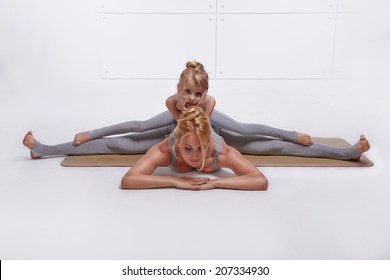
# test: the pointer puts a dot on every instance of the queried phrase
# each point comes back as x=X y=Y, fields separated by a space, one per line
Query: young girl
x=192 y=145
x=192 y=89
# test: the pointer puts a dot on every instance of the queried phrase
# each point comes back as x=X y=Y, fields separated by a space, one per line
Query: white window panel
x=364 y=6
x=347 y=53
x=361 y=46
x=275 y=46
x=277 y=6
x=157 y=6
x=155 y=46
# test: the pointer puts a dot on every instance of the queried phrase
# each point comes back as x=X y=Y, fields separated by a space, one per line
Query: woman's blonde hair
x=194 y=120
x=196 y=72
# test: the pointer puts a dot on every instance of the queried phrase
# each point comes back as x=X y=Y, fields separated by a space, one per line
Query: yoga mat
x=260 y=161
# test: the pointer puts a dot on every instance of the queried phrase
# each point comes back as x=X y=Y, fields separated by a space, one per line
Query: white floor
x=51 y=212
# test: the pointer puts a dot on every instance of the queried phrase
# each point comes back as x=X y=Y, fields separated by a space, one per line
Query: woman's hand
x=80 y=138
x=210 y=184
x=189 y=183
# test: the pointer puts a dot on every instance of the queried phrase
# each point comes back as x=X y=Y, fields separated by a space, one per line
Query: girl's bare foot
x=304 y=139
x=29 y=142
x=80 y=138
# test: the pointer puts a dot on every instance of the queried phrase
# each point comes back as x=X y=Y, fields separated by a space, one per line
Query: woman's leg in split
x=220 y=120
x=134 y=143
x=265 y=146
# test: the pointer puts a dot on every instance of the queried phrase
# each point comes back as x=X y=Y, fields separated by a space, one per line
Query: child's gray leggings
x=248 y=138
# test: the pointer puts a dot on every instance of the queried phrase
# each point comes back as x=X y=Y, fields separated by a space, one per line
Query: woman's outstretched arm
x=140 y=175
x=248 y=176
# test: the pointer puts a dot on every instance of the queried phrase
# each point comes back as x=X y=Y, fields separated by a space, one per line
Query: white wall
x=92 y=55
x=153 y=39
x=236 y=39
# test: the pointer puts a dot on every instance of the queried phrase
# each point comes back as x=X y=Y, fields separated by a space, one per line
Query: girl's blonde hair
x=196 y=72
x=194 y=120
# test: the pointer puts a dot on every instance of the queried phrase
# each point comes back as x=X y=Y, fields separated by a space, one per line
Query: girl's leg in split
x=225 y=122
x=161 y=120
x=265 y=146
x=134 y=143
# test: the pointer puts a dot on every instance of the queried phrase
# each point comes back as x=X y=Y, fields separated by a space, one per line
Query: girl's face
x=192 y=94
x=190 y=150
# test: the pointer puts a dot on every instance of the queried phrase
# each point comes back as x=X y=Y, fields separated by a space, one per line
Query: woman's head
x=193 y=137
x=193 y=83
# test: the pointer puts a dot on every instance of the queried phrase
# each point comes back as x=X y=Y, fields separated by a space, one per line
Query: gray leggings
x=259 y=145
x=247 y=138
x=218 y=120
x=135 y=143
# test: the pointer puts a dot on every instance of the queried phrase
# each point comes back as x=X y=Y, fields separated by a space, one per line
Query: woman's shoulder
x=224 y=148
x=159 y=148
x=163 y=146
x=226 y=154
x=159 y=154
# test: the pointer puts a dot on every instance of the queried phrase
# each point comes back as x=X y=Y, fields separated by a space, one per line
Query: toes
x=304 y=139
x=29 y=140
x=26 y=139
x=308 y=140
x=363 y=144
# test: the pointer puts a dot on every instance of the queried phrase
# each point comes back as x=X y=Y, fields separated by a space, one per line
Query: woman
x=193 y=146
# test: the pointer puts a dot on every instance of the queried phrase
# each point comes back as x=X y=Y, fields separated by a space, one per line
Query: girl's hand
x=181 y=103
x=80 y=138
x=189 y=183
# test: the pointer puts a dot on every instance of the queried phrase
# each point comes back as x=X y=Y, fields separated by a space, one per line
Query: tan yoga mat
x=260 y=161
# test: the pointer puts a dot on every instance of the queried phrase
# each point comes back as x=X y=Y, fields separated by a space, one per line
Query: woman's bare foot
x=29 y=141
x=362 y=145
x=304 y=139
x=80 y=138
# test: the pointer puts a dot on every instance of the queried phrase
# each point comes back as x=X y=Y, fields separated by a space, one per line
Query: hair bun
x=194 y=64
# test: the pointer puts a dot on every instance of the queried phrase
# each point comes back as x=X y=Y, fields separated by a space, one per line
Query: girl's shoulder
x=210 y=99
x=210 y=103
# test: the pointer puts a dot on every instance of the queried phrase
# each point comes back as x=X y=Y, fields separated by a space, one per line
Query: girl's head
x=193 y=84
x=193 y=137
